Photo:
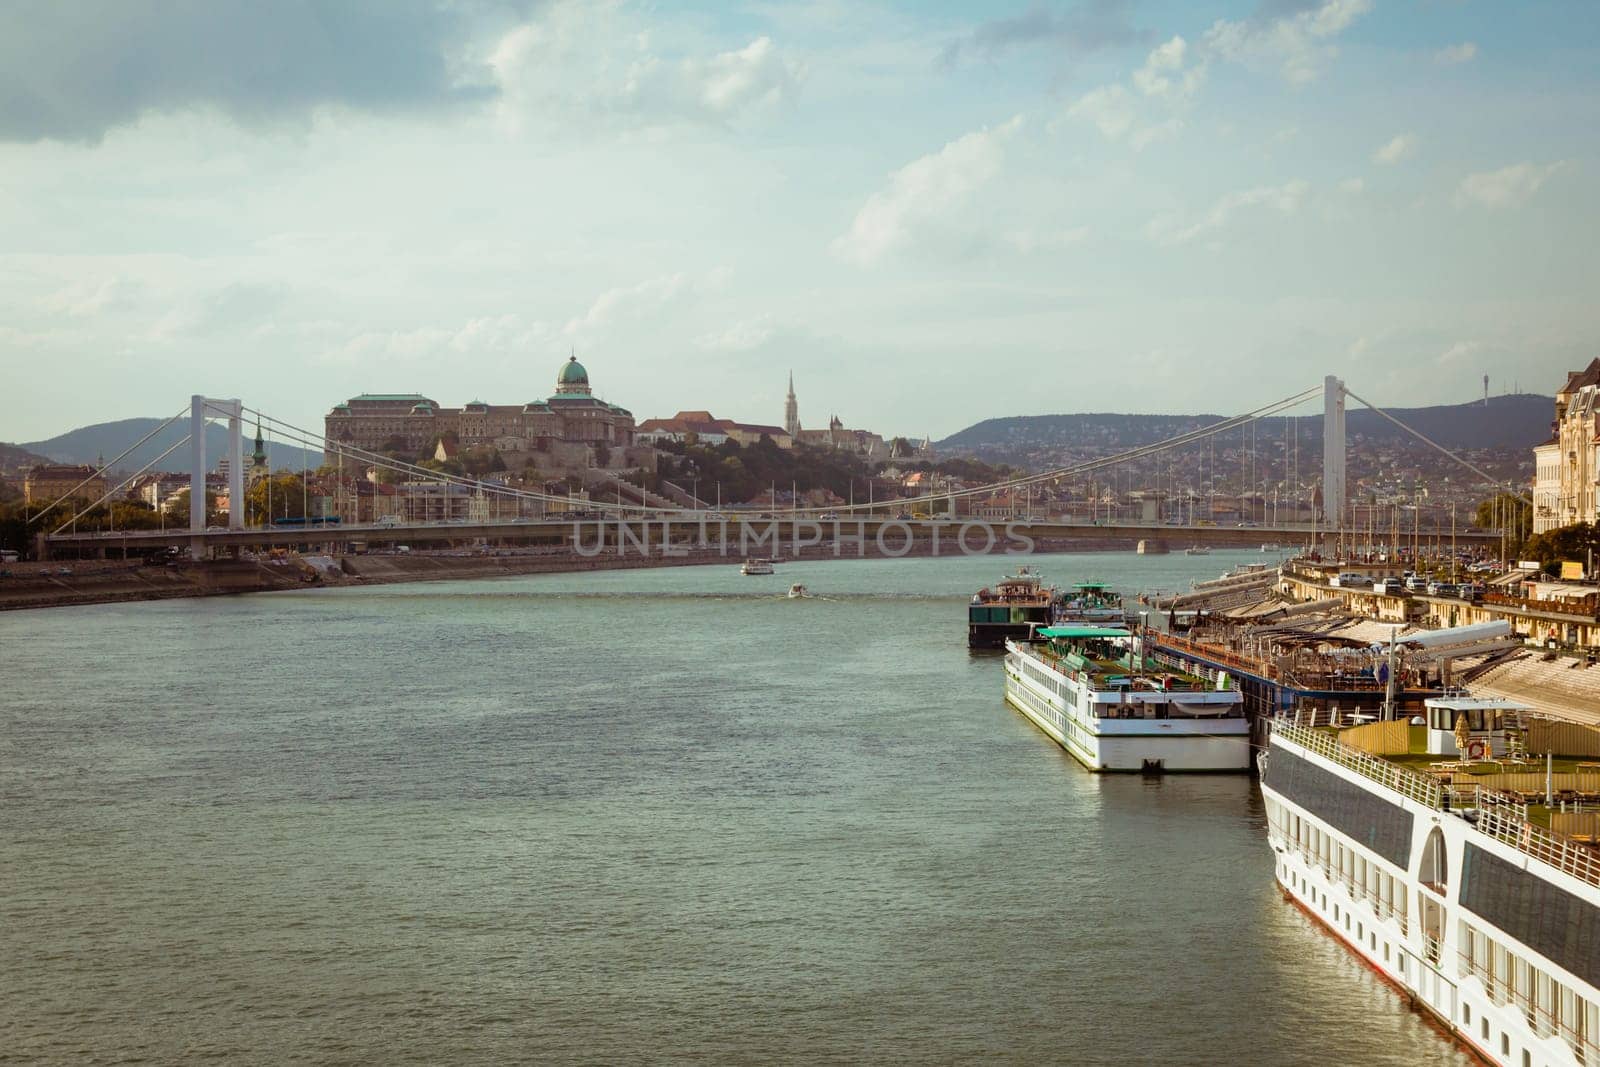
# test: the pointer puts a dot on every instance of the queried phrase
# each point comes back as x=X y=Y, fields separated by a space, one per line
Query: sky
x=931 y=213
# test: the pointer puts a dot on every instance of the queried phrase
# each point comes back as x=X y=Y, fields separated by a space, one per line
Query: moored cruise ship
x=1453 y=890
x=1093 y=691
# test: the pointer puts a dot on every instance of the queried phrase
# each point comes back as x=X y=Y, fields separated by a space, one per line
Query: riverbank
x=28 y=586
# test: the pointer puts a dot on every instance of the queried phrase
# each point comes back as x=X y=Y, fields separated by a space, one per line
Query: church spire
x=791 y=412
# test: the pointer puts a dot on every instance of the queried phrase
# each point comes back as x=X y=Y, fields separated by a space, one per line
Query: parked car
x=1416 y=583
x=1446 y=589
x=1389 y=586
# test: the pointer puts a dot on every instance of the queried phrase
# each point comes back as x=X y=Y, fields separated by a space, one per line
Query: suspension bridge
x=502 y=514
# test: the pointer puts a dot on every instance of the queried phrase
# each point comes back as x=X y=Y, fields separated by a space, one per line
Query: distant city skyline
x=930 y=214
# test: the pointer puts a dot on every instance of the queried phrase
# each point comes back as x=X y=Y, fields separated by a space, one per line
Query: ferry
x=1017 y=606
x=1446 y=869
x=1091 y=602
x=756 y=566
x=1094 y=692
x=1197 y=550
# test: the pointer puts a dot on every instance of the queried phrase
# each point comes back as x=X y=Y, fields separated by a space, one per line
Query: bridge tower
x=199 y=407
x=1334 y=491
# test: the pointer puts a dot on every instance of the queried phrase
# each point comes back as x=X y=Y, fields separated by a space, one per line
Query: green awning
x=1083 y=631
x=1092 y=585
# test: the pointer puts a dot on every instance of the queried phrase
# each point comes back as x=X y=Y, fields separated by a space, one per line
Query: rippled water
x=618 y=817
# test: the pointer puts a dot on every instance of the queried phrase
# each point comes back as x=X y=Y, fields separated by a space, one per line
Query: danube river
x=620 y=817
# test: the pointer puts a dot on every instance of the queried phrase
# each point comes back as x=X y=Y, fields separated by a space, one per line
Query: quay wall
x=43 y=585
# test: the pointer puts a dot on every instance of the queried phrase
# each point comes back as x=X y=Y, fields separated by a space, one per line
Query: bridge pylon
x=1334 y=492
x=199 y=408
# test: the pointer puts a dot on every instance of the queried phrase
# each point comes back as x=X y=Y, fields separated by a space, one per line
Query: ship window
x=1435 y=870
x=1505 y=1044
x=1466 y=1014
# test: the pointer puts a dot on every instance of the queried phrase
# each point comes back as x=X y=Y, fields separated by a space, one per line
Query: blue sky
x=932 y=213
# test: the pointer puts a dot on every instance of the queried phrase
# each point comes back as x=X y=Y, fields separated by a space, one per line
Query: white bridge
x=553 y=521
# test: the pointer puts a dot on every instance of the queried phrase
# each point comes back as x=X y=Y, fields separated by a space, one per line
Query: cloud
x=72 y=69
x=1353 y=186
x=1506 y=187
x=1395 y=149
x=1465 y=52
x=1165 y=84
x=924 y=193
x=1091 y=26
x=1163 y=74
x=742 y=336
x=1283 y=199
x=1299 y=43
x=587 y=63
x=627 y=302
x=1458 y=352
x=1109 y=108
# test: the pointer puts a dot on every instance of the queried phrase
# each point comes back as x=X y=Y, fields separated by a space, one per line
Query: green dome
x=572 y=373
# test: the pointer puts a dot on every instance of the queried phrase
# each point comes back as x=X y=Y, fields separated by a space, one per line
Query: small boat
x=1018 y=605
x=1197 y=550
x=796 y=591
x=1272 y=546
x=756 y=566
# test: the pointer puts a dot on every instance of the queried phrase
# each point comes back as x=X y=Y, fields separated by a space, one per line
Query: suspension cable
x=90 y=507
x=107 y=465
x=1425 y=439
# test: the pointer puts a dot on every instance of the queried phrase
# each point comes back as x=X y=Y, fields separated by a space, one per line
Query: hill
x=1506 y=422
x=108 y=439
x=16 y=459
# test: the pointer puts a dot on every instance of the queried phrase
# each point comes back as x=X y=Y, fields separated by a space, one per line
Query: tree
x=1507 y=511
x=1578 y=542
x=285 y=491
x=177 y=506
x=602 y=454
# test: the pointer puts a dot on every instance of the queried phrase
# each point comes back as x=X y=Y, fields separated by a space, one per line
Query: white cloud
x=1458 y=352
x=627 y=302
x=740 y=336
x=1465 y=52
x=1353 y=186
x=1163 y=74
x=1109 y=108
x=581 y=63
x=1283 y=199
x=1395 y=149
x=1300 y=45
x=924 y=193
x=1506 y=187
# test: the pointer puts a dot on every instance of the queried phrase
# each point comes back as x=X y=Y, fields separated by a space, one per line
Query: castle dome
x=572 y=373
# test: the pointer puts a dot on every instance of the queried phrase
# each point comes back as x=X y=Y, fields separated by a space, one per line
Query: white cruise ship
x=1454 y=892
x=1091 y=689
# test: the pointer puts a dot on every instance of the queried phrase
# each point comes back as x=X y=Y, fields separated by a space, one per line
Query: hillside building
x=570 y=430
x=1566 y=488
x=48 y=482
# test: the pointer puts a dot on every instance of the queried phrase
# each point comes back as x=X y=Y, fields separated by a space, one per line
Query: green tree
x=1506 y=511
x=177 y=508
x=286 y=492
x=1579 y=543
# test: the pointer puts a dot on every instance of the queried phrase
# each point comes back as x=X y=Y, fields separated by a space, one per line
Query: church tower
x=258 y=459
x=791 y=411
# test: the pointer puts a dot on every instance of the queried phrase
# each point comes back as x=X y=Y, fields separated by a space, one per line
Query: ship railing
x=1423 y=789
x=1506 y=824
x=1502 y=991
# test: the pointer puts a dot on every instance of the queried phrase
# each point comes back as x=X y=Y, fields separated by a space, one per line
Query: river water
x=621 y=817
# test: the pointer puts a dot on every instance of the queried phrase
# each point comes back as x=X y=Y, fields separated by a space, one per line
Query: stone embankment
x=41 y=585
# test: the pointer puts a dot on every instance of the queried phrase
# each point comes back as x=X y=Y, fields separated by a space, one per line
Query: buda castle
x=570 y=430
